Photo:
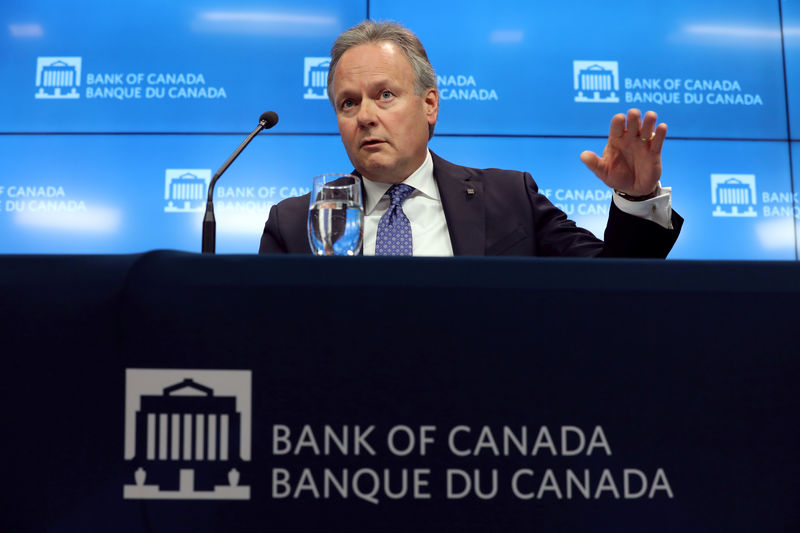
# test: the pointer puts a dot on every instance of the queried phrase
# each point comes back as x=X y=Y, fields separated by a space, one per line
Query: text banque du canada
x=533 y=481
x=687 y=91
x=138 y=85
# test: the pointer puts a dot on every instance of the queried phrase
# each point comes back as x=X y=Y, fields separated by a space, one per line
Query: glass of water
x=336 y=215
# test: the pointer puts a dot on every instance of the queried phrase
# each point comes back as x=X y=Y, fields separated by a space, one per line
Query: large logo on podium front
x=187 y=434
x=733 y=195
x=58 y=77
x=185 y=189
x=596 y=81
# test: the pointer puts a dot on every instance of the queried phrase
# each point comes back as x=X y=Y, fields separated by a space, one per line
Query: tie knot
x=399 y=192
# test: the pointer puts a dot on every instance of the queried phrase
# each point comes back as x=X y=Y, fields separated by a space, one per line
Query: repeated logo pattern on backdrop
x=62 y=78
x=185 y=189
x=733 y=195
x=720 y=86
x=596 y=81
x=315 y=78
x=58 y=77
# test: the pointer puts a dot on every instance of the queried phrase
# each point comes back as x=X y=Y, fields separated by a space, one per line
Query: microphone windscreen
x=269 y=118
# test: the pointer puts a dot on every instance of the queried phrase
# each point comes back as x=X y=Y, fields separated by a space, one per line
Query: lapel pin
x=470 y=191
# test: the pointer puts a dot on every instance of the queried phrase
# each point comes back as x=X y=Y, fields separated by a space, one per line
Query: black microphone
x=265 y=122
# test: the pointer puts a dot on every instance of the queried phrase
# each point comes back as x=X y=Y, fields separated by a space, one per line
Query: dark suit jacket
x=497 y=212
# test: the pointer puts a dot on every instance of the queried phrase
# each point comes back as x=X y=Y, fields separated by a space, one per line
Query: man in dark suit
x=383 y=89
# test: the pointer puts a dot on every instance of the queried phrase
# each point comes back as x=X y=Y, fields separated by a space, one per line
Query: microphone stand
x=266 y=121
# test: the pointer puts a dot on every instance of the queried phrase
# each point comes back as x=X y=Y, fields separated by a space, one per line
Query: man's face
x=383 y=124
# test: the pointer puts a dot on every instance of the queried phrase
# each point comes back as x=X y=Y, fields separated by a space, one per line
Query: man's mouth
x=371 y=142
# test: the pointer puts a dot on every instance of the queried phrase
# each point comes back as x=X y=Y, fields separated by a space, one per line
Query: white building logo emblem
x=733 y=195
x=187 y=434
x=315 y=78
x=185 y=189
x=596 y=81
x=58 y=77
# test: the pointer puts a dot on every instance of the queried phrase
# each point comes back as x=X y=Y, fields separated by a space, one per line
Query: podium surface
x=169 y=391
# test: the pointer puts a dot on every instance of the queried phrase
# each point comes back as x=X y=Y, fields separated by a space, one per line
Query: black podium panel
x=177 y=392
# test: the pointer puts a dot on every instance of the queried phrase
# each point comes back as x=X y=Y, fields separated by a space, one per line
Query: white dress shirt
x=429 y=233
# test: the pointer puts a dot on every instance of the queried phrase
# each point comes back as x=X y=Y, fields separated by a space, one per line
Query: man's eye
x=347 y=104
x=386 y=94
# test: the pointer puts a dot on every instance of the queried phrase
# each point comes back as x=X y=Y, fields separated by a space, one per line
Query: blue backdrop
x=108 y=111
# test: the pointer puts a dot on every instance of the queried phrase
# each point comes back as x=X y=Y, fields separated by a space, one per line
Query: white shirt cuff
x=657 y=209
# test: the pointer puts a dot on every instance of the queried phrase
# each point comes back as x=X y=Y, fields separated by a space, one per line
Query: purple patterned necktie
x=394 y=229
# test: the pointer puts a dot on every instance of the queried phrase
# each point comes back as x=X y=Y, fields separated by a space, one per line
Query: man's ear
x=431 y=101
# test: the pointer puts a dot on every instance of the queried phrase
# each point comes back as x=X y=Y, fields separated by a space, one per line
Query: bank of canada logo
x=733 y=195
x=596 y=81
x=315 y=78
x=187 y=434
x=185 y=189
x=58 y=77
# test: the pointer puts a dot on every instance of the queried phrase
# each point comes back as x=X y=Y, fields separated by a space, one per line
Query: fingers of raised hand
x=645 y=131
x=592 y=161
x=634 y=123
x=617 y=129
x=648 y=126
x=658 y=138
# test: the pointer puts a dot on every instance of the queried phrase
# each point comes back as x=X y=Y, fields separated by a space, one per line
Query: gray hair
x=376 y=32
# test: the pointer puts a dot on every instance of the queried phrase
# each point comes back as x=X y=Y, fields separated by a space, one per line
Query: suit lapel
x=463 y=204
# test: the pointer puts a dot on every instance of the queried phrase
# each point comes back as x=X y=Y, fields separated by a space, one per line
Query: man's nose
x=367 y=113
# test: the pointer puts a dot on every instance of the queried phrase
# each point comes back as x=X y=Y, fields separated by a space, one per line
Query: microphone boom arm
x=266 y=121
